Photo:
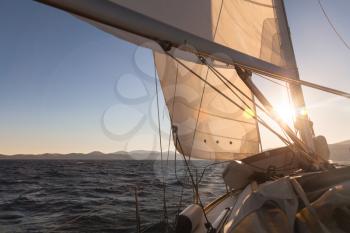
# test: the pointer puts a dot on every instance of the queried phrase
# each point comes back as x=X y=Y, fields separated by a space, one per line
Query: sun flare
x=286 y=112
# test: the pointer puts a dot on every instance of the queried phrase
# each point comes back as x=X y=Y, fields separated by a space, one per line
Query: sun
x=286 y=112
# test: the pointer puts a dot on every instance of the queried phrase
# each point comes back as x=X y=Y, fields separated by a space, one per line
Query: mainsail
x=248 y=26
x=207 y=125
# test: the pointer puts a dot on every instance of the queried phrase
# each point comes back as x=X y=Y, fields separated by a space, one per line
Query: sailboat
x=205 y=53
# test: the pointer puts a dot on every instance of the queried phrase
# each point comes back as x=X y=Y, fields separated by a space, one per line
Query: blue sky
x=64 y=85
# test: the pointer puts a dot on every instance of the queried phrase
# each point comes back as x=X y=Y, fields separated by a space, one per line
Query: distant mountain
x=95 y=155
x=340 y=151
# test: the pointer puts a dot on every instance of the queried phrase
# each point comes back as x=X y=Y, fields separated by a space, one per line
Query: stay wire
x=229 y=99
x=193 y=183
x=170 y=136
x=273 y=81
x=221 y=77
x=204 y=85
x=261 y=121
x=240 y=107
x=161 y=148
x=218 y=74
x=172 y=110
x=256 y=117
x=332 y=25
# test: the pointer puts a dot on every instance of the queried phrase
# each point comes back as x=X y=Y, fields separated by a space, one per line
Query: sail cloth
x=207 y=125
x=252 y=27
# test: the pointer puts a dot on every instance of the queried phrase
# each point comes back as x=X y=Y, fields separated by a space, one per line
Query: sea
x=101 y=195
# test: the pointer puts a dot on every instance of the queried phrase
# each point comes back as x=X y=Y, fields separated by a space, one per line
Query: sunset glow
x=286 y=112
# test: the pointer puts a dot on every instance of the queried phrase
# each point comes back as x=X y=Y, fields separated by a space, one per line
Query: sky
x=66 y=86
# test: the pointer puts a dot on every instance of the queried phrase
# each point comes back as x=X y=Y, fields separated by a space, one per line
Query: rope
x=284 y=86
x=229 y=99
x=161 y=150
x=311 y=85
x=193 y=183
x=169 y=140
x=221 y=77
x=172 y=111
x=238 y=106
x=273 y=81
x=206 y=77
x=209 y=165
x=332 y=25
x=258 y=119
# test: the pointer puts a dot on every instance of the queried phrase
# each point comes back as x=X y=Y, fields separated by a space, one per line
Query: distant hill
x=340 y=151
x=95 y=155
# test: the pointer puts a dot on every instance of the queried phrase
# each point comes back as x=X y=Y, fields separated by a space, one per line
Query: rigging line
x=169 y=141
x=172 y=109
x=290 y=102
x=230 y=100
x=194 y=184
x=199 y=111
x=175 y=162
x=218 y=74
x=245 y=75
x=257 y=127
x=206 y=77
x=258 y=119
x=186 y=162
x=240 y=107
x=289 y=97
x=209 y=165
x=182 y=187
x=161 y=148
x=264 y=77
x=248 y=107
x=332 y=25
x=175 y=157
x=192 y=179
x=171 y=128
x=311 y=85
x=245 y=103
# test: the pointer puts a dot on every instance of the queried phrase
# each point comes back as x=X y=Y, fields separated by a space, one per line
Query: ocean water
x=97 y=196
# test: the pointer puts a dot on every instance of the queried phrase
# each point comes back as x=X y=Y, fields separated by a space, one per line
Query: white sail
x=248 y=26
x=208 y=125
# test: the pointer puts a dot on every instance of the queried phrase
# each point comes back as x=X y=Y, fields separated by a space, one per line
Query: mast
x=302 y=122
